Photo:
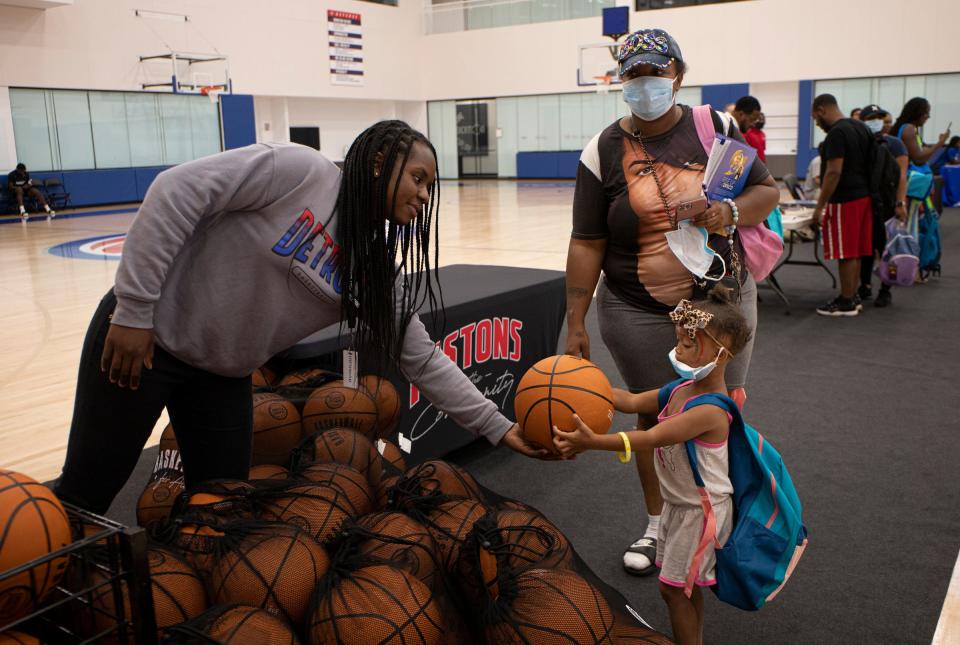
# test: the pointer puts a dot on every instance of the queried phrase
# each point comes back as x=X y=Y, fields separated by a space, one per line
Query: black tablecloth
x=499 y=321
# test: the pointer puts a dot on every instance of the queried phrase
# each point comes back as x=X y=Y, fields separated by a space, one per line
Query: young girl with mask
x=631 y=178
x=708 y=334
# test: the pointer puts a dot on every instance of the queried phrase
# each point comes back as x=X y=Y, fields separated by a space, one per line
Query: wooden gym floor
x=47 y=302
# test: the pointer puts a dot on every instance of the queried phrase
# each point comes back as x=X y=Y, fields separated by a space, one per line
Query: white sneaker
x=24 y=215
x=51 y=214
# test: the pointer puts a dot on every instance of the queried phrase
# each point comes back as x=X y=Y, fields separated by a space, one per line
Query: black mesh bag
x=232 y=624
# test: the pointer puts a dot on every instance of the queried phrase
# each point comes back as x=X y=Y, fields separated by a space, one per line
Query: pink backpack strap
x=708 y=538
x=705 y=128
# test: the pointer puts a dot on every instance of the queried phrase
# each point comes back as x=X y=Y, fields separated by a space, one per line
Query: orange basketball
x=168 y=440
x=304 y=377
x=336 y=406
x=347 y=480
x=555 y=389
x=268 y=471
x=344 y=446
x=377 y=604
x=272 y=566
x=33 y=524
x=276 y=429
x=258 y=379
x=388 y=403
x=402 y=541
x=391 y=454
x=319 y=511
x=177 y=593
x=450 y=524
x=156 y=501
x=18 y=638
x=235 y=625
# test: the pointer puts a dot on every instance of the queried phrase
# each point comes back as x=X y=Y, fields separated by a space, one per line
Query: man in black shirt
x=20 y=185
x=844 y=209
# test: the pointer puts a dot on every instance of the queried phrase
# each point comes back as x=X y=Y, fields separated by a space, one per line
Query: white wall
x=276 y=48
x=340 y=121
x=761 y=41
x=779 y=102
x=8 y=149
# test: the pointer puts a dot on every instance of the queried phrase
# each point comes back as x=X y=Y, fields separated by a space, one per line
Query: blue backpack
x=768 y=535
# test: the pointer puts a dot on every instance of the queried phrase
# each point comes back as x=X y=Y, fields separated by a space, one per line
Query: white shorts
x=679 y=536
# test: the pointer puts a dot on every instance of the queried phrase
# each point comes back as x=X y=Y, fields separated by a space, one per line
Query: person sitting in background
x=747 y=113
x=855 y=114
x=873 y=117
x=952 y=156
x=20 y=185
x=811 y=184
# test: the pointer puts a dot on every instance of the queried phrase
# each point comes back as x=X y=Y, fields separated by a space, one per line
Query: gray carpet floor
x=861 y=410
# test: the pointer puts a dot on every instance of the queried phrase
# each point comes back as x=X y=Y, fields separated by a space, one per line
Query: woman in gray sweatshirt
x=235 y=257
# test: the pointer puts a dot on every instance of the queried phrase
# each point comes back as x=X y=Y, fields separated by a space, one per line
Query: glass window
x=111 y=141
x=205 y=121
x=175 y=125
x=74 y=135
x=143 y=124
x=31 y=129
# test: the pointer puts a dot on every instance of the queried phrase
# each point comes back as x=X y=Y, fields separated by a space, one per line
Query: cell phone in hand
x=690 y=208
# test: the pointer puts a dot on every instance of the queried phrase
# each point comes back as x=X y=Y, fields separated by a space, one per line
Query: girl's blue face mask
x=649 y=97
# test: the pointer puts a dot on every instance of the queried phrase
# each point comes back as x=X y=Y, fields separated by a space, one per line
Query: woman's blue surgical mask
x=649 y=97
x=690 y=244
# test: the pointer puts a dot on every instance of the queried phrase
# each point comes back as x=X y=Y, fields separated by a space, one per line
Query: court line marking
x=15 y=219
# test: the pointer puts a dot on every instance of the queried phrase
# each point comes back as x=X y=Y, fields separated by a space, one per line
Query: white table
x=795 y=219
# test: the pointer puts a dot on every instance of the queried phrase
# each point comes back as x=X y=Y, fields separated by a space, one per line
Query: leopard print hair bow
x=690 y=317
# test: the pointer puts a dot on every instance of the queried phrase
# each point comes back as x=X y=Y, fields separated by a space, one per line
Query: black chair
x=793 y=185
x=57 y=196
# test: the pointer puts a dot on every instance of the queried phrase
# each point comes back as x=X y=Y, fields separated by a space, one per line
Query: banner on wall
x=472 y=130
x=345 y=38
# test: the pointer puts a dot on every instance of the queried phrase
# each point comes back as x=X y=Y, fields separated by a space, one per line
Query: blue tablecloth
x=951 y=185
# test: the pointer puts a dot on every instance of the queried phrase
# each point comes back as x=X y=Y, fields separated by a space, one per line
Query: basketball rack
x=83 y=608
x=199 y=82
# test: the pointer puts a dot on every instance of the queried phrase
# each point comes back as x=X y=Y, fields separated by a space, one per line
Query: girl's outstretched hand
x=576 y=441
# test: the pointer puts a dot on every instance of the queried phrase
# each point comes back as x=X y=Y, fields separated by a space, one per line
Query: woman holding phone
x=636 y=179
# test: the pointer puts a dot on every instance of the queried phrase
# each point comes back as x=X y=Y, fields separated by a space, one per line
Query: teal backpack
x=768 y=535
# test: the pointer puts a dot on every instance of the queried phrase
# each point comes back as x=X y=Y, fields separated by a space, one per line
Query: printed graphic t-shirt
x=616 y=199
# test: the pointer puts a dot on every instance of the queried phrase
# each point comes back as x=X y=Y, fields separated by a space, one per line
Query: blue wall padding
x=719 y=96
x=237 y=117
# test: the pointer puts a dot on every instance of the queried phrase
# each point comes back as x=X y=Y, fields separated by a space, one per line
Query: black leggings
x=212 y=417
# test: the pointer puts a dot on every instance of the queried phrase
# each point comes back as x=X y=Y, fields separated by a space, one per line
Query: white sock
x=22 y=210
x=653 y=527
x=46 y=208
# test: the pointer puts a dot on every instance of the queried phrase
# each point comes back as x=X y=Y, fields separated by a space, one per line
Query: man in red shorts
x=844 y=209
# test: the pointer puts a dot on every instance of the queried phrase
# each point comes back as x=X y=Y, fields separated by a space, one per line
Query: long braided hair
x=387 y=272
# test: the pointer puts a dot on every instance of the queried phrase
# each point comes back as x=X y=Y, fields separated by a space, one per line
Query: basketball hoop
x=212 y=92
x=603 y=83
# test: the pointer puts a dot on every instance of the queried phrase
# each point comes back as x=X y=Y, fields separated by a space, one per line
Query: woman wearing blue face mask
x=632 y=178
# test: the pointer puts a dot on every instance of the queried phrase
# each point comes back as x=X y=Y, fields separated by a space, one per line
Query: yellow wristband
x=624 y=456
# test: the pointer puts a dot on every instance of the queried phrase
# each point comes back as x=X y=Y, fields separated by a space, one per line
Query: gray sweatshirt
x=217 y=263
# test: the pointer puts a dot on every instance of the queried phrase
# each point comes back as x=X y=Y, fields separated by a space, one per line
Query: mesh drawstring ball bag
x=345 y=478
x=269 y=565
x=512 y=540
x=548 y=606
x=437 y=477
x=178 y=593
x=317 y=509
x=232 y=624
x=341 y=446
x=375 y=604
x=400 y=540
